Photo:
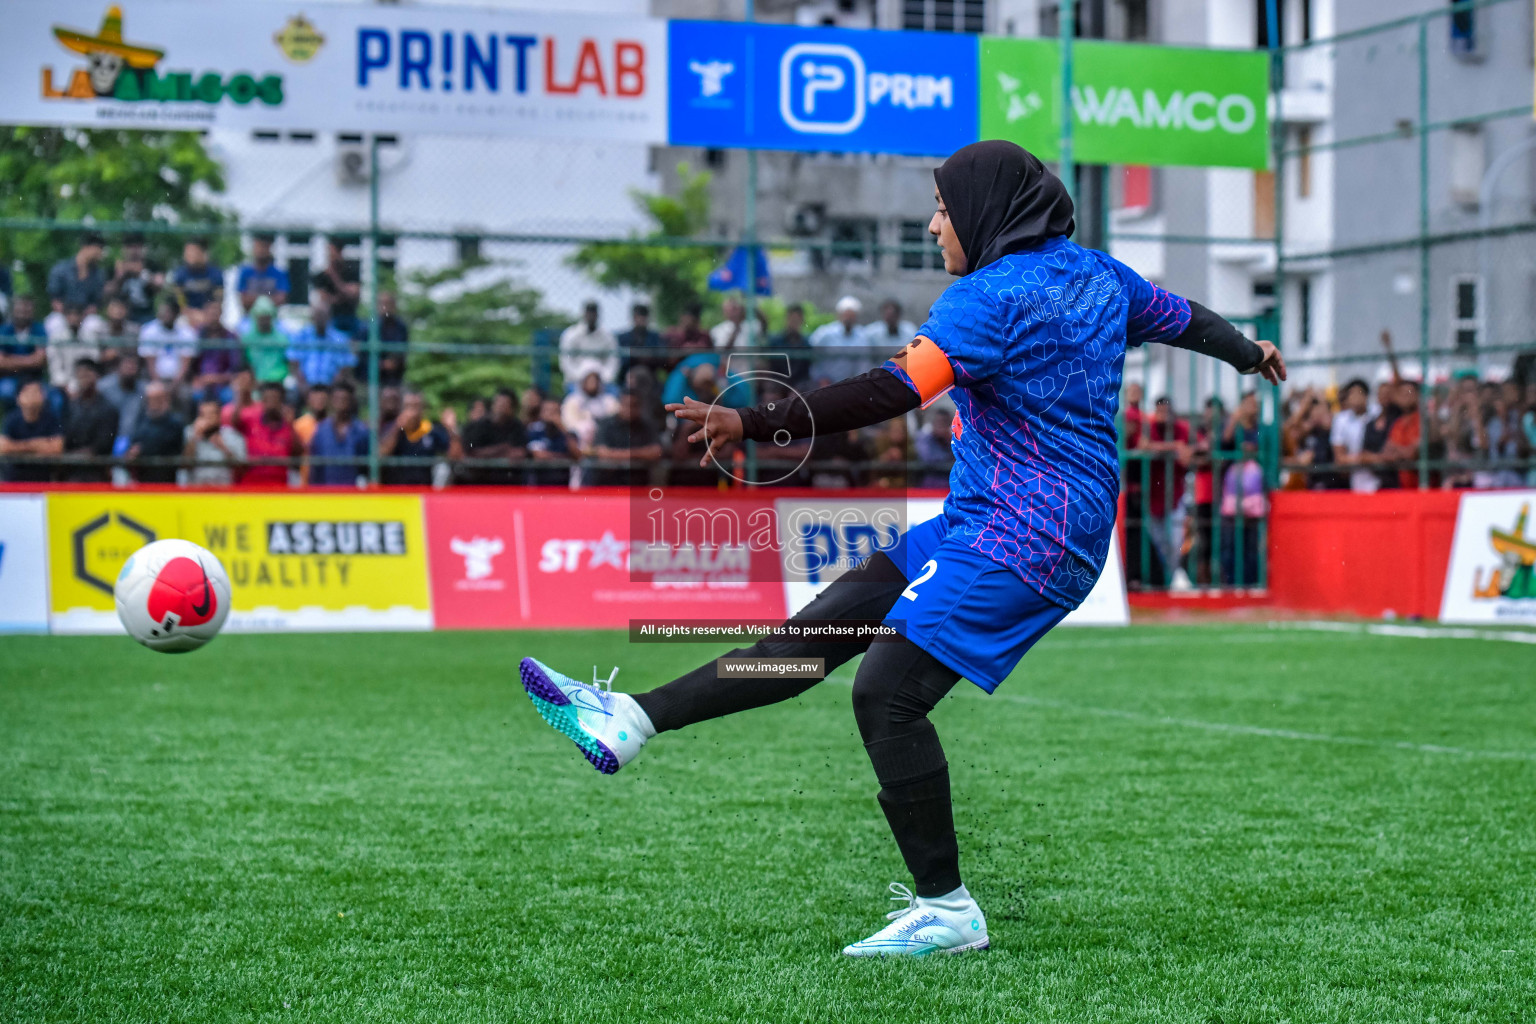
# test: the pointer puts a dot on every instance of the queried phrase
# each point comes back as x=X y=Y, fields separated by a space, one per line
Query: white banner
x=834 y=532
x=1492 y=575
x=23 y=565
x=350 y=67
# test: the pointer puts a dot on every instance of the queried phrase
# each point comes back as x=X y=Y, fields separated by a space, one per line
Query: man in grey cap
x=844 y=332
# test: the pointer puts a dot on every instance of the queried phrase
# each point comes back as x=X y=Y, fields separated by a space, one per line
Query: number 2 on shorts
x=929 y=568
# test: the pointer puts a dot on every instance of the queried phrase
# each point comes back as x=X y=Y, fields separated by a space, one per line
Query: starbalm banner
x=354 y=67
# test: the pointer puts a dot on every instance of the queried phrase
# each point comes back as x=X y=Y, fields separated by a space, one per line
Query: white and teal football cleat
x=610 y=728
x=951 y=923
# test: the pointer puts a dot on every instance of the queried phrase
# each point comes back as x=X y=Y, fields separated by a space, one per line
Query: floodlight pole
x=1066 y=22
x=373 y=314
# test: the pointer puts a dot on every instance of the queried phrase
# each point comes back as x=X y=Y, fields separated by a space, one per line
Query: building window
x=1128 y=21
x=298 y=269
x=1304 y=161
x=853 y=241
x=1050 y=18
x=1469 y=161
x=944 y=15
x=1463 y=25
x=919 y=251
x=266 y=136
x=1135 y=198
x=1304 y=310
x=468 y=248
x=388 y=257
x=1466 y=310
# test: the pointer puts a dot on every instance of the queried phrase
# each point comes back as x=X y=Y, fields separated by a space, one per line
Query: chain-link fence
x=438 y=288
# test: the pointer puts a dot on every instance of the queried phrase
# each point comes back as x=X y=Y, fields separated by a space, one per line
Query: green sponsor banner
x=1133 y=104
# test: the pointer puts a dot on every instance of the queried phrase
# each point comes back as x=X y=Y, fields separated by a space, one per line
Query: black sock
x=923 y=821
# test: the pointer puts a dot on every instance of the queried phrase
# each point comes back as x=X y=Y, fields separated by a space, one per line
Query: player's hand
x=1272 y=366
x=718 y=425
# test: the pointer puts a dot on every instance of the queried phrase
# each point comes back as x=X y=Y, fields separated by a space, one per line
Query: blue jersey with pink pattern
x=1037 y=343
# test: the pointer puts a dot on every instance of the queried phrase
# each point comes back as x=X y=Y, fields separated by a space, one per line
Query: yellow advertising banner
x=295 y=561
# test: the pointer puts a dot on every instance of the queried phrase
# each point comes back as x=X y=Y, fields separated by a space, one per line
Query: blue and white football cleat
x=610 y=728
x=949 y=924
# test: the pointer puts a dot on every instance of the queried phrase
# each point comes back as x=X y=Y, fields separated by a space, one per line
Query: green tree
x=672 y=275
x=446 y=306
x=72 y=176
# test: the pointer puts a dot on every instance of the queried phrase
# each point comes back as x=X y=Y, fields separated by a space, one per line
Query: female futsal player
x=1030 y=343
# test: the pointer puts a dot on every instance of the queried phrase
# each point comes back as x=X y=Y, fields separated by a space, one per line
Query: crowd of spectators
x=125 y=371
x=158 y=376
x=1195 y=489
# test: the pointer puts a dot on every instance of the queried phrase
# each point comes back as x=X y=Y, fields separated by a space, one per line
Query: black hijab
x=1001 y=200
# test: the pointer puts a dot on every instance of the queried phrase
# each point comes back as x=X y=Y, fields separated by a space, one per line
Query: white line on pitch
x=1416 y=632
x=1259 y=730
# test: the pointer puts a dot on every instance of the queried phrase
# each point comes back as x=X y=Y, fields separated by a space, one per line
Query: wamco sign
x=1130 y=104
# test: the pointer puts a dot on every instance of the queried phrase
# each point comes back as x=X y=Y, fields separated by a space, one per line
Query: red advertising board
x=557 y=559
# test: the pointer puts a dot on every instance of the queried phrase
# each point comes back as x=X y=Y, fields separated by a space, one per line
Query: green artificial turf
x=1208 y=824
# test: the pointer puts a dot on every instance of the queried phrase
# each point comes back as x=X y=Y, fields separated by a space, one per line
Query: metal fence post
x=1423 y=127
x=1068 y=28
x=750 y=237
x=373 y=314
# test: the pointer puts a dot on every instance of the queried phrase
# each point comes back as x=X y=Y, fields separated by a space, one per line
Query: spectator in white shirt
x=1348 y=435
x=844 y=332
x=735 y=331
x=73 y=334
x=167 y=345
x=586 y=405
x=587 y=348
x=890 y=332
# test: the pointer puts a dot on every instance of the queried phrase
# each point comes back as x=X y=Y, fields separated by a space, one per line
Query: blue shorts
x=968 y=611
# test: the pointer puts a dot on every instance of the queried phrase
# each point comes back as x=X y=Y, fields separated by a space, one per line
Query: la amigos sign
x=440 y=69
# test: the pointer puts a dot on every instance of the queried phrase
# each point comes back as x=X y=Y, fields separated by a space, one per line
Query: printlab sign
x=465 y=70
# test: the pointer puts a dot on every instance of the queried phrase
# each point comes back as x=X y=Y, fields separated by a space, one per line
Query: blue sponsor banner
x=752 y=86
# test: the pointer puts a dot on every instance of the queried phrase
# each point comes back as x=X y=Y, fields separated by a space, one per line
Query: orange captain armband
x=927 y=367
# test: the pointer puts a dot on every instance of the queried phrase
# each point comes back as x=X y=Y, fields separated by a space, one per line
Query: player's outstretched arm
x=850 y=404
x=1213 y=336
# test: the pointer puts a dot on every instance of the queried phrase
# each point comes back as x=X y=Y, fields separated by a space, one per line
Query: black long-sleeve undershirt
x=879 y=395
x=1210 y=335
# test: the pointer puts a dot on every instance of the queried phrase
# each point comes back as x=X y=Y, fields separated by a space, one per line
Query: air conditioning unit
x=352 y=164
x=807 y=219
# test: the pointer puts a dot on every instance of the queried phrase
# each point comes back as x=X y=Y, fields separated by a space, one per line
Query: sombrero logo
x=127 y=71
